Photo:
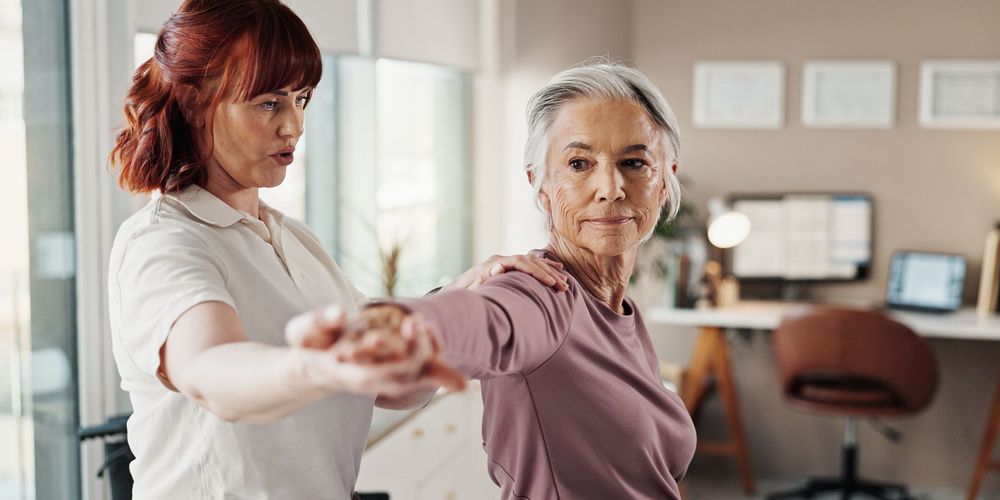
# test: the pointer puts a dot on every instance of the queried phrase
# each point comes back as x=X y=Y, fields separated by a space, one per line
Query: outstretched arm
x=511 y=324
x=208 y=358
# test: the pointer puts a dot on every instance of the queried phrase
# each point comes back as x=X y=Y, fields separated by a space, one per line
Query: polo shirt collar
x=206 y=207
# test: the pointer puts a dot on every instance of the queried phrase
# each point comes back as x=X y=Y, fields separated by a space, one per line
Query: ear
x=663 y=187
x=543 y=197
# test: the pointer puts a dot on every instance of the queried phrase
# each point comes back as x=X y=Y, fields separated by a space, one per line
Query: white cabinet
x=436 y=454
x=463 y=477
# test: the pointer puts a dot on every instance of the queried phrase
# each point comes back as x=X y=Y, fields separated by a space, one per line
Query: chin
x=607 y=242
x=611 y=246
x=273 y=181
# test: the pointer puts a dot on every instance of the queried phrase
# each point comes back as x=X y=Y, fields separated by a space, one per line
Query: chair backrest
x=813 y=343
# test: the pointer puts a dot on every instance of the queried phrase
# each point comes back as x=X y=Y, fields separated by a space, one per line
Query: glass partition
x=39 y=457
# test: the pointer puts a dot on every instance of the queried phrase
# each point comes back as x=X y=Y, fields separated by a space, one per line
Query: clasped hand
x=386 y=351
x=382 y=350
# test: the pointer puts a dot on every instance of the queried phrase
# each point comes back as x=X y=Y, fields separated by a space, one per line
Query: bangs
x=277 y=52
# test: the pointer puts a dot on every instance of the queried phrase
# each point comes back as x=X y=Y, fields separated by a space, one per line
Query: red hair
x=208 y=50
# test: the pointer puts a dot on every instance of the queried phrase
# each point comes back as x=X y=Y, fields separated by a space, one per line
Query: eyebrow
x=284 y=93
x=628 y=149
x=635 y=147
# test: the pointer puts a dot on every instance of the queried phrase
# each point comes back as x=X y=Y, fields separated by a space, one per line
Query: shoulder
x=524 y=284
x=162 y=216
x=161 y=229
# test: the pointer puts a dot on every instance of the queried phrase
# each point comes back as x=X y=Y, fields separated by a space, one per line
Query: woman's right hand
x=546 y=271
x=381 y=351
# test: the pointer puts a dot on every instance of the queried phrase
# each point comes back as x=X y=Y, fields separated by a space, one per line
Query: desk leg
x=989 y=441
x=727 y=389
x=699 y=371
x=711 y=357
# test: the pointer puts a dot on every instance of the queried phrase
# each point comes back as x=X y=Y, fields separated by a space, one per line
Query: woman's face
x=253 y=141
x=604 y=182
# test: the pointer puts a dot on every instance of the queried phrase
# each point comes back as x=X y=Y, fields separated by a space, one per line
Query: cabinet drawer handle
x=418 y=433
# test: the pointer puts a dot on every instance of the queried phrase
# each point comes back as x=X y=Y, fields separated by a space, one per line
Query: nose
x=610 y=185
x=292 y=123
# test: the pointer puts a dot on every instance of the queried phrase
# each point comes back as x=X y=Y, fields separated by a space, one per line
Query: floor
x=710 y=478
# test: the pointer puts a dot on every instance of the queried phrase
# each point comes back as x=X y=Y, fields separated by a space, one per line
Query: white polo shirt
x=184 y=249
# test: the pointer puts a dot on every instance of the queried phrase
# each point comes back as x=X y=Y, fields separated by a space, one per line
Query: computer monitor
x=925 y=281
x=804 y=237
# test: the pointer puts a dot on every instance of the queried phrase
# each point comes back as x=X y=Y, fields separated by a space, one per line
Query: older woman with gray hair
x=574 y=404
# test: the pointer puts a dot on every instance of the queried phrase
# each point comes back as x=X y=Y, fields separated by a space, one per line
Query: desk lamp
x=726 y=229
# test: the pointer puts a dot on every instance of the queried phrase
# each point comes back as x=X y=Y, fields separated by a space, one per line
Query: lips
x=611 y=221
x=284 y=157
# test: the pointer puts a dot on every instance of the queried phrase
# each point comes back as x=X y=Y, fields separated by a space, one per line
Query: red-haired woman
x=204 y=278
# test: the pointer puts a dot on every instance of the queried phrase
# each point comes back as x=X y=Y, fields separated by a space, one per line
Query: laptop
x=926 y=281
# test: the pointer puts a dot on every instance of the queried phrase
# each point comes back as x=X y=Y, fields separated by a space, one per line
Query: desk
x=711 y=354
x=963 y=324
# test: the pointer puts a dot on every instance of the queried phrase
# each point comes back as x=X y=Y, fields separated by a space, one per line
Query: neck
x=605 y=277
x=225 y=188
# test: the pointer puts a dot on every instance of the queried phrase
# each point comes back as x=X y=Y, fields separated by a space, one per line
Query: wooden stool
x=711 y=360
x=986 y=450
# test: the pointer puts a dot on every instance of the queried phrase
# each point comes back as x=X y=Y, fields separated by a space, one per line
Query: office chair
x=856 y=364
x=117 y=454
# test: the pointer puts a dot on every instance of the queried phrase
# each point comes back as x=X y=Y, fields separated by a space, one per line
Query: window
x=395 y=178
x=38 y=393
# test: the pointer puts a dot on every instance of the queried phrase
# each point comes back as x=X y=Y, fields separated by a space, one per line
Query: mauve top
x=574 y=404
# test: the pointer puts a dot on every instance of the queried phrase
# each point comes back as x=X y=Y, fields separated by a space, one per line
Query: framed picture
x=849 y=94
x=746 y=94
x=960 y=94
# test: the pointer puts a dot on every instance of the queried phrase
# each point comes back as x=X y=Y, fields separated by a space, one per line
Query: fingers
x=317 y=329
x=546 y=271
x=421 y=368
x=388 y=341
x=372 y=346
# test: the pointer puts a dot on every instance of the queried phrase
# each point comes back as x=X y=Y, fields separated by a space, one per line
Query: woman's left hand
x=546 y=271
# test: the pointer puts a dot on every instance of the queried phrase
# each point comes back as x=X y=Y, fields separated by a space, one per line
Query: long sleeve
x=511 y=324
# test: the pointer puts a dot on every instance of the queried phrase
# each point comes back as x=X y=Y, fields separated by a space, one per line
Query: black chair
x=117 y=454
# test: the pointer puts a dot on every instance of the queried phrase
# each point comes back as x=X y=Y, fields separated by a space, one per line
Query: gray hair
x=603 y=79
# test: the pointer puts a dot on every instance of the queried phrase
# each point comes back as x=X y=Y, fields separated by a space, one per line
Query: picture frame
x=849 y=94
x=960 y=94
x=739 y=94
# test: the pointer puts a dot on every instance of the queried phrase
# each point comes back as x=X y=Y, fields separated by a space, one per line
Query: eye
x=269 y=105
x=578 y=164
x=634 y=163
x=303 y=99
